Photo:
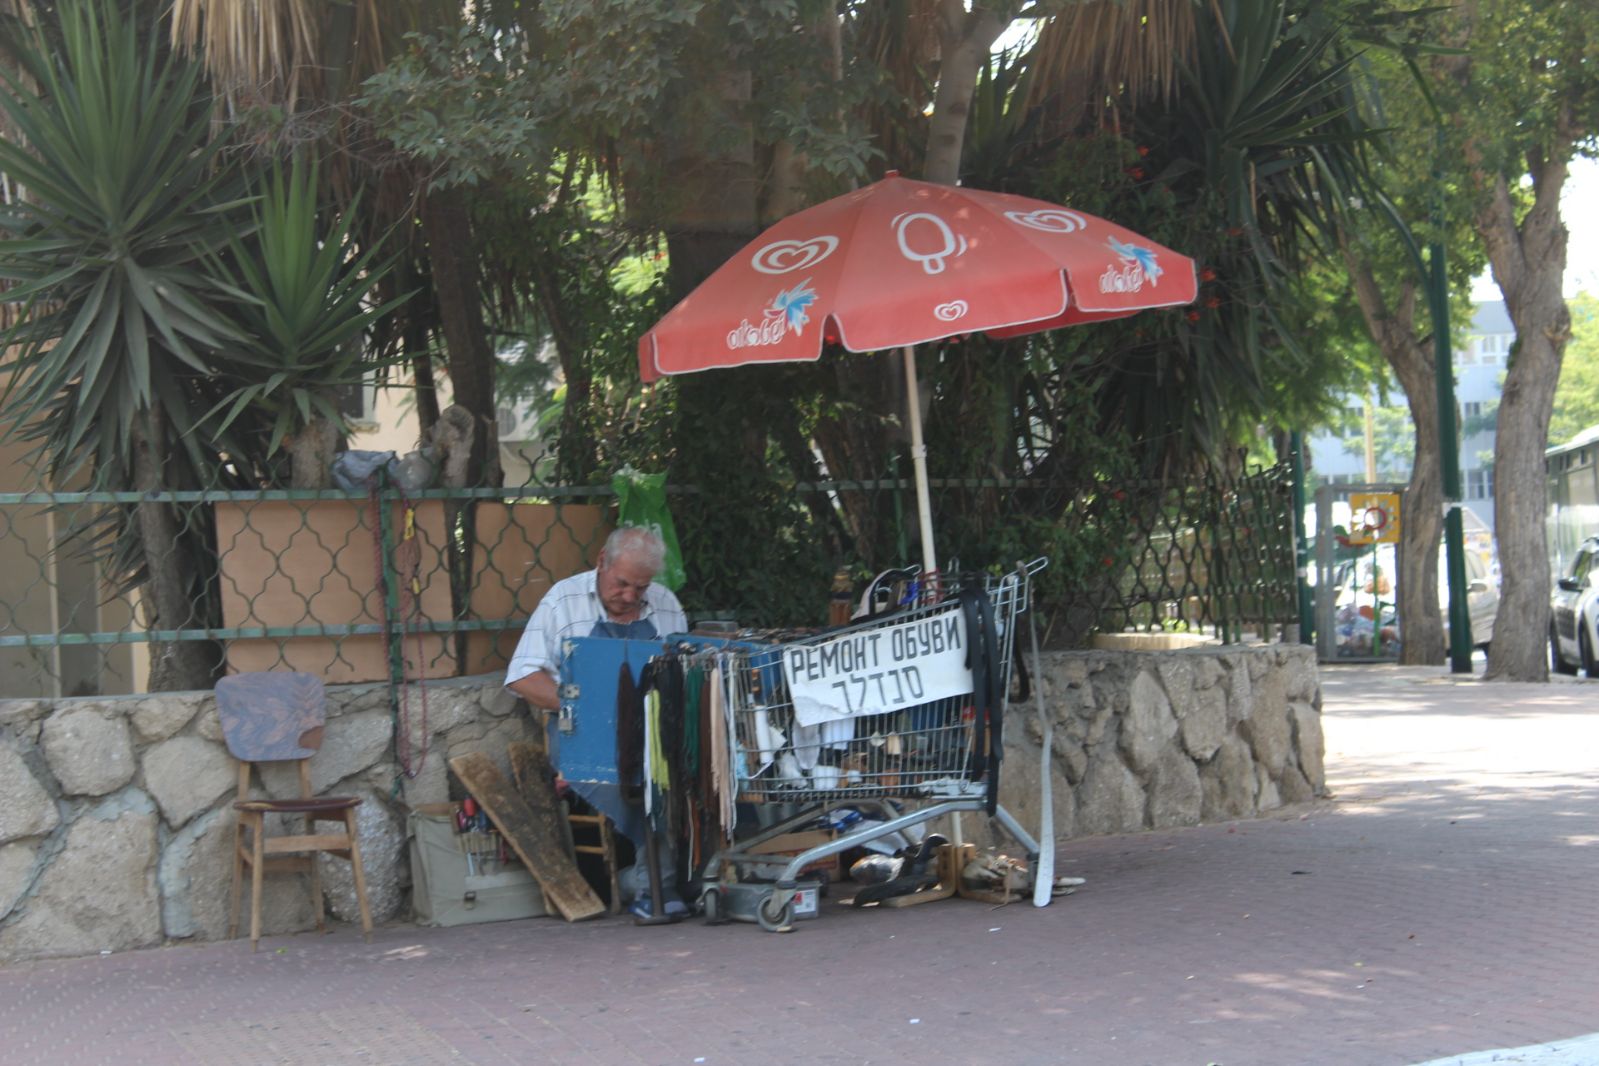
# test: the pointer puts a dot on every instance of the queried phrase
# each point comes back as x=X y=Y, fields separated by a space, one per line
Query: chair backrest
x=272 y=716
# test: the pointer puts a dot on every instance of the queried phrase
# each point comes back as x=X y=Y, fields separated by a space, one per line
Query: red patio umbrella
x=900 y=263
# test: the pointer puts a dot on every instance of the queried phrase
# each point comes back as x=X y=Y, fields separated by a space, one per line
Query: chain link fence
x=385 y=587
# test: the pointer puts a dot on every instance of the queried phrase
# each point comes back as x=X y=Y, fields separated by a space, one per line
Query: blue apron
x=586 y=756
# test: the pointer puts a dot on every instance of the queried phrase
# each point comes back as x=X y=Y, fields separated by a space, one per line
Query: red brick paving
x=1443 y=902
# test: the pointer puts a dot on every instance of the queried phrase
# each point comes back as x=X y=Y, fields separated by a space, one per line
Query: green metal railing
x=356 y=586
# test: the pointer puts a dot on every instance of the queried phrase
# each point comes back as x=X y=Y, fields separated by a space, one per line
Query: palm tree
x=291 y=71
x=110 y=357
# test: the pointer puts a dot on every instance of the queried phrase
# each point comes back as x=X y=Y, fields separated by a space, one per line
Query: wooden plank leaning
x=533 y=831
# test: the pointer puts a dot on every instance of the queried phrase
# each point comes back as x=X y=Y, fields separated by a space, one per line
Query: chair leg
x=608 y=842
x=360 y=876
x=317 y=904
x=238 y=874
x=257 y=862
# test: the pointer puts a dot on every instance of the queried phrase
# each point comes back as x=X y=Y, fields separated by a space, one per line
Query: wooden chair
x=602 y=843
x=278 y=717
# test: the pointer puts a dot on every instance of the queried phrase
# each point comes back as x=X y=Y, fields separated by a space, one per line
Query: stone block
x=1110 y=799
x=1301 y=681
x=155 y=718
x=208 y=725
x=1227 y=783
x=195 y=876
x=26 y=809
x=22 y=717
x=186 y=775
x=384 y=863
x=359 y=741
x=16 y=871
x=89 y=749
x=431 y=784
x=1020 y=789
x=499 y=701
x=1240 y=689
x=1175 y=795
x=1269 y=735
x=1202 y=720
x=1292 y=786
x=1207 y=672
x=1267 y=797
x=99 y=892
x=1309 y=743
x=1176 y=676
x=1150 y=724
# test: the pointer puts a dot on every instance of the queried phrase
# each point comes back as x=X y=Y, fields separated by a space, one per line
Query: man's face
x=622 y=582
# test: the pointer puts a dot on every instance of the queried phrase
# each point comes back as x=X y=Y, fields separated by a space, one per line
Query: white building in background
x=1479 y=366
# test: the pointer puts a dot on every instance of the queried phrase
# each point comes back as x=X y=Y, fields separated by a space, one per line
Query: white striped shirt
x=572 y=608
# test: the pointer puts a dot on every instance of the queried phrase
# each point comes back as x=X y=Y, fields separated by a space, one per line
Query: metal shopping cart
x=897 y=716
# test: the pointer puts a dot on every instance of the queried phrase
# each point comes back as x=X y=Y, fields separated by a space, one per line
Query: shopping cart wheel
x=774 y=918
x=711 y=905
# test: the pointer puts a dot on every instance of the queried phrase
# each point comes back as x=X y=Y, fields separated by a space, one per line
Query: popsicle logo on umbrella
x=1049 y=220
x=785 y=257
x=1138 y=264
x=789 y=310
x=934 y=239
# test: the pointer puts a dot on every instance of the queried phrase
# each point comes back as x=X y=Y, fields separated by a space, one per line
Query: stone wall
x=116 y=821
x=1150 y=739
x=115 y=817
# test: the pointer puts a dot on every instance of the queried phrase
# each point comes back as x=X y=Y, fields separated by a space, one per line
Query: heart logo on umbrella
x=951 y=311
x=1049 y=220
x=783 y=257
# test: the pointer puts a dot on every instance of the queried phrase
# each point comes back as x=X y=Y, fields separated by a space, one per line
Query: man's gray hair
x=639 y=543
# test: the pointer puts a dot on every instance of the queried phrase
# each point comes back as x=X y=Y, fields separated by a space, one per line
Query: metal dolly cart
x=904 y=737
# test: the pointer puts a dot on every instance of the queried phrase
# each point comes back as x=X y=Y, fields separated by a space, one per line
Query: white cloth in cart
x=807 y=745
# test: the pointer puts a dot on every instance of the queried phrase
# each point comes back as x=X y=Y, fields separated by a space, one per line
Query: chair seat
x=314 y=805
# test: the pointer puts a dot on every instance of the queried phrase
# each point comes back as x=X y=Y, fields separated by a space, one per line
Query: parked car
x=1356 y=580
x=1574 y=614
x=1482 y=599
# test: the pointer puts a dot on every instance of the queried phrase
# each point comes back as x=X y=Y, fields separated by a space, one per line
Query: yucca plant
x=108 y=362
x=302 y=300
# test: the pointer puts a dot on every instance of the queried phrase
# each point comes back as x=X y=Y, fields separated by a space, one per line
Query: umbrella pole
x=924 y=506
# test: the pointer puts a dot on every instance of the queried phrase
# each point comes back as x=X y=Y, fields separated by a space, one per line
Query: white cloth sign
x=872 y=671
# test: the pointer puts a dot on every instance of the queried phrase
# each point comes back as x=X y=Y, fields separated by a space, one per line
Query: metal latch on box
x=566 y=718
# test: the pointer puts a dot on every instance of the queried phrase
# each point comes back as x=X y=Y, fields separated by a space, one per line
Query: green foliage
x=1577 y=397
x=302 y=307
x=104 y=256
x=466 y=104
x=1393 y=440
x=1248 y=170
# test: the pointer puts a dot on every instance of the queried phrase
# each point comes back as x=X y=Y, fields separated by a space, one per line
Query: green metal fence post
x=1307 y=616
x=1449 y=459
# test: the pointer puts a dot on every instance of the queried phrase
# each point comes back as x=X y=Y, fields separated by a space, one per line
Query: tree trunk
x=1528 y=260
x=1529 y=264
x=966 y=39
x=311 y=454
x=174 y=665
x=452 y=255
x=1421 y=521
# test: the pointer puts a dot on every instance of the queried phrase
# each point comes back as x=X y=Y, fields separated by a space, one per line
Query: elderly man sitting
x=620 y=599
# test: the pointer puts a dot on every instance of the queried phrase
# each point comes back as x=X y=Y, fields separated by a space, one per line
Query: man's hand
x=538 y=688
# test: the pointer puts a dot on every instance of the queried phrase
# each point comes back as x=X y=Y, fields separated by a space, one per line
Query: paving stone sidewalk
x=1441 y=904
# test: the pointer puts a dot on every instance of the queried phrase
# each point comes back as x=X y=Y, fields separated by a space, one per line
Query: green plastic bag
x=642 y=502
